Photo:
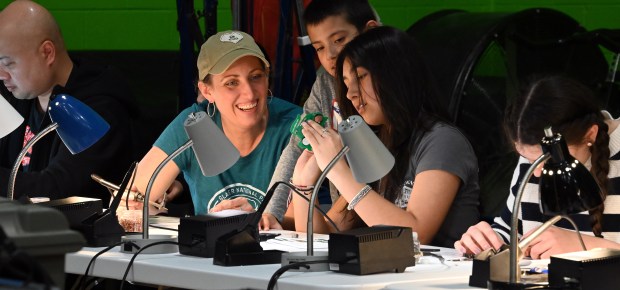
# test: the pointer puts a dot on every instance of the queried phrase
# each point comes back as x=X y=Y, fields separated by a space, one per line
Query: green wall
x=151 y=24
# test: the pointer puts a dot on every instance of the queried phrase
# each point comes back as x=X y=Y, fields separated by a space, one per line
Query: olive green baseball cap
x=223 y=49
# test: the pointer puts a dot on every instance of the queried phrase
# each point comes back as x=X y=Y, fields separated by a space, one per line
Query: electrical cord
x=136 y=255
x=163 y=228
x=274 y=278
x=133 y=177
x=116 y=200
x=83 y=283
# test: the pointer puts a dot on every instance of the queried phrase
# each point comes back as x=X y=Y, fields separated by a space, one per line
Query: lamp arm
x=525 y=242
x=315 y=193
x=21 y=155
x=147 y=194
x=515 y=216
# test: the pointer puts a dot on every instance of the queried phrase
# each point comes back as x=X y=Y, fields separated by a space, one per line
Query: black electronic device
x=99 y=228
x=587 y=270
x=198 y=234
x=75 y=208
x=371 y=250
x=38 y=232
x=86 y=216
x=242 y=247
x=231 y=240
x=103 y=229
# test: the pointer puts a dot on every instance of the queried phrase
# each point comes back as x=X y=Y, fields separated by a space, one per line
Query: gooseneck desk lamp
x=9 y=118
x=369 y=161
x=215 y=154
x=78 y=126
x=566 y=187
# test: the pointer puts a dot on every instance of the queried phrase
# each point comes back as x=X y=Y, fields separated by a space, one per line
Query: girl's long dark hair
x=404 y=88
x=571 y=109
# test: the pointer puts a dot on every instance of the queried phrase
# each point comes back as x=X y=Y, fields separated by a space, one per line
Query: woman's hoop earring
x=269 y=96
x=211 y=108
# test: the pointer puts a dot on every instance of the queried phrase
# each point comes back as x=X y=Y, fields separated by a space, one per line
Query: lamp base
x=298 y=257
x=140 y=242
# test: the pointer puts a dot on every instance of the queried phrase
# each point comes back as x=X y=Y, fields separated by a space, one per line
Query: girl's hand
x=478 y=238
x=325 y=142
x=551 y=242
x=306 y=171
x=269 y=222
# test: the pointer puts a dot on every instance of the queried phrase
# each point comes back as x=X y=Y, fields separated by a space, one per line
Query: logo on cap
x=233 y=37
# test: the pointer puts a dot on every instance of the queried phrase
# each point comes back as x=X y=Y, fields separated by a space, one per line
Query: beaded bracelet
x=361 y=194
x=305 y=189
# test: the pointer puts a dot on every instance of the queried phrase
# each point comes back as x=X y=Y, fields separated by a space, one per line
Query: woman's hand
x=134 y=203
x=238 y=203
x=174 y=190
x=551 y=242
x=478 y=238
x=132 y=200
x=131 y=205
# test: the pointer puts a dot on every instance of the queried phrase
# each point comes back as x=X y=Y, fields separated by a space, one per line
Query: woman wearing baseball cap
x=233 y=79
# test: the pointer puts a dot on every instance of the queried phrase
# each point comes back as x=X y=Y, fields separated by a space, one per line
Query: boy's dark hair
x=356 y=12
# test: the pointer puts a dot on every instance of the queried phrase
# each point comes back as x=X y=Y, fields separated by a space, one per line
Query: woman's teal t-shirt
x=249 y=177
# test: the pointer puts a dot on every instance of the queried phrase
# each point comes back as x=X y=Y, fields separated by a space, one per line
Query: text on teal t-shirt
x=249 y=177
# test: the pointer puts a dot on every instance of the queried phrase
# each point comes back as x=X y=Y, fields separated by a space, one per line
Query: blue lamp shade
x=9 y=118
x=566 y=185
x=79 y=126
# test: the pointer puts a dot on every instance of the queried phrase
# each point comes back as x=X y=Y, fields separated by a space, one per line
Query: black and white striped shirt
x=531 y=216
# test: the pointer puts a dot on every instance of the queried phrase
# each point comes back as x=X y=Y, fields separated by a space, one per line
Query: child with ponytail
x=571 y=110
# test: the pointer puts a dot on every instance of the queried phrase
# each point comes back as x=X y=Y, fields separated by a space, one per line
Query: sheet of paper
x=295 y=242
x=164 y=222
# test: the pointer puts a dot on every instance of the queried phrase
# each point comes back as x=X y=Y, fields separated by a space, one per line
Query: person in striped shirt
x=592 y=138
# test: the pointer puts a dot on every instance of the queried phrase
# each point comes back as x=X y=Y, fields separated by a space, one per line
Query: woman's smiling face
x=239 y=93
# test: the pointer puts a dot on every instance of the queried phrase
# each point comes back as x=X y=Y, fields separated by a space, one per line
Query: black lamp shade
x=566 y=185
